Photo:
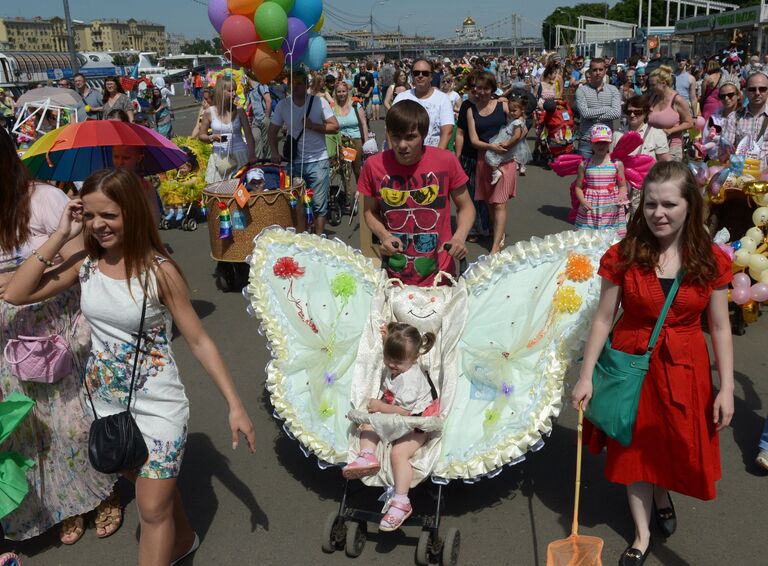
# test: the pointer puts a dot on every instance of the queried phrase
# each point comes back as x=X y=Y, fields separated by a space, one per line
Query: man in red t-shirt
x=408 y=192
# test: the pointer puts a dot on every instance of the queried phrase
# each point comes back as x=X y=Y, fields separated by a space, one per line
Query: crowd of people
x=457 y=139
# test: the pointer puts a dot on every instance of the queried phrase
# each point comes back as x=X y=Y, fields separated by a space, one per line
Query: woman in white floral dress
x=126 y=262
x=62 y=484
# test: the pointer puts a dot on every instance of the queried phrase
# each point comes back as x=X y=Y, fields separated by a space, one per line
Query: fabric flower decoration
x=567 y=300
x=343 y=286
x=287 y=267
x=579 y=268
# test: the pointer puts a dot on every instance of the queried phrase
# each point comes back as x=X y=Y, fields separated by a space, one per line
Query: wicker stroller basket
x=264 y=208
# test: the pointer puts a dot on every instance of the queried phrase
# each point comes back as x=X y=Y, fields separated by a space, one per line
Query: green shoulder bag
x=618 y=379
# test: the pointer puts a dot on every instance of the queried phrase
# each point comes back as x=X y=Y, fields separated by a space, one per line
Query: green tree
x=200 y=46
x=569 y=16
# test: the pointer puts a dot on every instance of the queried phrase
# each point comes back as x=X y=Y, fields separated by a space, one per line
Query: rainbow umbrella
x=73 y=152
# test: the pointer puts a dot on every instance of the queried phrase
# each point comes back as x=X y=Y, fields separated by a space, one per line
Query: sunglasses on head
x=761 y=89
x=421 y=73
x=725 y=95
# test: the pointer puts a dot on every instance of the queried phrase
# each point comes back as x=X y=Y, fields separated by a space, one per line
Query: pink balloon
x=741 y=280
x=741 y=295
x=700 y=123
x=239 y=31
x=759 y=292
x=217 y=13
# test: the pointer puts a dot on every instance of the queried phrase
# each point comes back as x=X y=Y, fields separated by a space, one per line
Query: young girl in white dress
x=407 y=391
x=124 y=262
x=513 y=133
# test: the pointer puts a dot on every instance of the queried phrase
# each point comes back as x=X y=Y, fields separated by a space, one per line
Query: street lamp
x=373 y=42
x=570 y=21
x=399 y=35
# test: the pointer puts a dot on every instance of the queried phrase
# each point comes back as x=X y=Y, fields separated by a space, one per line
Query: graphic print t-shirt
x=415 y=206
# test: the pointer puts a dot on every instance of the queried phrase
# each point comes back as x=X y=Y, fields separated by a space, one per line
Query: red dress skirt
x=674 y=443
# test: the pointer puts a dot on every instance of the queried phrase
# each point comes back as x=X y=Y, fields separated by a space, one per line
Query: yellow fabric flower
x=567 y=300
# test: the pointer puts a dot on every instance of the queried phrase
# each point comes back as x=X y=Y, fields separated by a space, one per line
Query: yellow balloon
x=319 y=25
x=763 y=277
x=760 y=216
x=755 y=233
x=761 y=200
x=741 y=258
x=748 y=244
x=757 y=264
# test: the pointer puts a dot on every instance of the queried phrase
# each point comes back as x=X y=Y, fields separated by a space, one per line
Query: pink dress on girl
x=601 y=191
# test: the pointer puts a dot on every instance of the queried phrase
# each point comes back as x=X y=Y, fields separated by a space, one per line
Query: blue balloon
x=308 y=11
x=316 y=53
x=736 y=245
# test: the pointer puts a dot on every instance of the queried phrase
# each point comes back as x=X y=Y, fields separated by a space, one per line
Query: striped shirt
x=597 y=107
x=739 y=125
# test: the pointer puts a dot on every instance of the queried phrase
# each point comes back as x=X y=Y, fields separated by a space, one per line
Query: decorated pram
x=506 y=332
x=237 y=215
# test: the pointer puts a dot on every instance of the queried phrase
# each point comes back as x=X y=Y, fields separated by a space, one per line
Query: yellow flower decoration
x=579 y=268
x=567 y=300
x=325 y=410
x=492 y=416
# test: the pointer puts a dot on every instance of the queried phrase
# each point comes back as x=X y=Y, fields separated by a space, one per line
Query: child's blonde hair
x=402 y=339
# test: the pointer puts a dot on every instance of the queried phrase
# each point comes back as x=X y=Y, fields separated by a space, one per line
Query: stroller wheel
x=356 y=535
x=451 y=546
x=422 y=549
x=191 y=225
x=184 y=225
x=163 y=224
x=334 y=533
x=334 y=215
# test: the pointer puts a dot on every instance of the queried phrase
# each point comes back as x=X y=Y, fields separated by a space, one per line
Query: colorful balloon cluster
x=264 y=35
x=749 y=256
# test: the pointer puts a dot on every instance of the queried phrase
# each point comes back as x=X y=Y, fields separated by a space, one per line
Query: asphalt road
x=269 y=508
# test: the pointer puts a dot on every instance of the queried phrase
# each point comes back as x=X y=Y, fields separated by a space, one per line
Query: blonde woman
x=352 y=123
x=229 y=125
x=670 y=112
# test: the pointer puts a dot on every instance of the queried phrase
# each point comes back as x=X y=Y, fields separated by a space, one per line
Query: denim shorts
x=316 y=175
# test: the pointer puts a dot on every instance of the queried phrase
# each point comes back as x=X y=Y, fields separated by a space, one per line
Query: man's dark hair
x=78 y=75
x=598 y=61
x=405 y=116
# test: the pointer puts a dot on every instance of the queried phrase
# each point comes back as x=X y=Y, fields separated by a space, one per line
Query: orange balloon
x=266 y=64
x=243 y=7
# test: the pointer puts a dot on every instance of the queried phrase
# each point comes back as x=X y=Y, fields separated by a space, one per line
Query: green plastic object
x=13 y=466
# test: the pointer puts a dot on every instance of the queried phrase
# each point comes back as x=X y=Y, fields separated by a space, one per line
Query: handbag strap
x=135 y=359
x=665 y=310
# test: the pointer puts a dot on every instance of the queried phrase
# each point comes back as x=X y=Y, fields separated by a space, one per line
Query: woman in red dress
x=675 y=440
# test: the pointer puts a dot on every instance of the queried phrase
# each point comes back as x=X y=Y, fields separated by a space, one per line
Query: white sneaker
x=762 y=459
x=522 y=170
x=495 y=176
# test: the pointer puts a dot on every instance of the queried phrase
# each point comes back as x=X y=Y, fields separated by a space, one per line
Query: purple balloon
x=296 y=40
x=741 y=280
x=217 y=13
x=759 y=292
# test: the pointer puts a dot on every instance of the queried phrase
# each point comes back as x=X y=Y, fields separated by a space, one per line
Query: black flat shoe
x=666 y=518
x=633 y=557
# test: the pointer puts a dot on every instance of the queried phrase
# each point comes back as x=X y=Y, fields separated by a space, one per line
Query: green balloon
x=286 y=5
x=272 y=23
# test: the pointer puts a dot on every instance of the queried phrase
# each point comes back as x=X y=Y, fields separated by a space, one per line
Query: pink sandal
x=366 y=464
x=395 y=514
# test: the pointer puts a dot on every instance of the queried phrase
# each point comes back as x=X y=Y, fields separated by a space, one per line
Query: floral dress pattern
x=159 y=405
x=62 y=484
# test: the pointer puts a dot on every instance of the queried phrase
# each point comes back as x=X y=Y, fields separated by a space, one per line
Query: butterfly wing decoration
x=313 y=296
x=529 y=312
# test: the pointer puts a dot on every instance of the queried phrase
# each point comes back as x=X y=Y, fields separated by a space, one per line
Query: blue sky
x=432 y=17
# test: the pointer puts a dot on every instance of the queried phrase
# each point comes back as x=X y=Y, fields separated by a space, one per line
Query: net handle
x=579 y=426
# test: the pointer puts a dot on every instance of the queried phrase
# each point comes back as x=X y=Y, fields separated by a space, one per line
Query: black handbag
x=291 y=144
x=115 y=442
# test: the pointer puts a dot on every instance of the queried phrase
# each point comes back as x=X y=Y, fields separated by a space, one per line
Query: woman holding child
x=484 y=121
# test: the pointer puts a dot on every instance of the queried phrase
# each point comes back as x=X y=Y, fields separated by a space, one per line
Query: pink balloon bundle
x=744 y=291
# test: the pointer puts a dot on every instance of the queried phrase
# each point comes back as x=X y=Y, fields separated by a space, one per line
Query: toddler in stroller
x=180 y=193
x=405 y=390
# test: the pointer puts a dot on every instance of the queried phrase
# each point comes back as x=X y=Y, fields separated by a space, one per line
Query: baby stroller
x=322 y=305
x=555 y=130
x=236 y=216
x=185 y=217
